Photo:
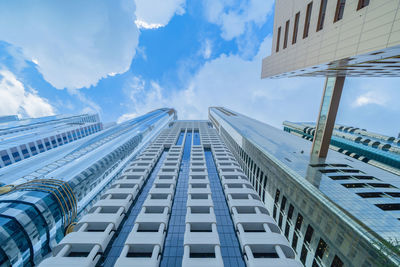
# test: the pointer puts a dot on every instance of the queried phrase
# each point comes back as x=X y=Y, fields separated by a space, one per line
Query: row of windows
x=256 y=175
x=322 y=245
x=321 y=18
x=34 y=148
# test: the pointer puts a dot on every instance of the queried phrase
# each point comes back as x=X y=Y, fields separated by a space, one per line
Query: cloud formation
x=73 y=43
x=15 y=99
x=153 y=14
x=236 y=18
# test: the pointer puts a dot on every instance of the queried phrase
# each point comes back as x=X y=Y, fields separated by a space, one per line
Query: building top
x=326 y=37
x=341 y=182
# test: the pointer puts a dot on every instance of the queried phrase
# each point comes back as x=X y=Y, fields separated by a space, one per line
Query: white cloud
x=15 y=99
x=144 y=25
x=157 y=13
x=233 y=18
x=235 y=83
x=74 y=43
x=371 y=97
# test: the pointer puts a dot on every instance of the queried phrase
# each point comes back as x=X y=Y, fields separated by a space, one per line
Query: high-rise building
x=339 y=212
x=22 y=139
x=184 y=201
x=42 y=196
x=333 y=39
x=376 y=149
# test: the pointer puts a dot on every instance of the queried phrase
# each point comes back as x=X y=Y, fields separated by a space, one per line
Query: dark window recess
x=303 y=255
x=294 y=241
x=276 y=202
x=296 y=27
x=377 y=185
x=286 y=34
x=265 y=255
x=309 y=234
x=362 y=4
x=340 y=165
x=321 y=17
x=202 y=255
x=337 y=262
x=340 y=177
x=359 y=185
x=280 y=220
x=319 y=253
x=319 y=165
x=371 y=194
x=339 y=10
x=283 y=203
x=287 y=228
x=393 y=194
x=307 y=20
x=290 y=212
x=391 y=206
x=299 y=222
x=365 y=177
x=139 y=254
x=278 y=39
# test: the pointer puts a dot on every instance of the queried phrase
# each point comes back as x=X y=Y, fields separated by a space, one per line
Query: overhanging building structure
x=342 y=212
x=334 y=39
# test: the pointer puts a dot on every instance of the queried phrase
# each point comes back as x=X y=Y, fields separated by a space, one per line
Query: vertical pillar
x=327 y=116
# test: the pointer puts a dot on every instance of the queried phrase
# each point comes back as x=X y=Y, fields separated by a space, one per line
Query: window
x=362 y=4
x=276 y=201
x=309 y=234
x=319 y=253
x=24 y=151
x=283 y=203
x=321 y=17
x=5 y=157
x=299 y=222
x=278 y=39
x=286 y=34
x=391 y=206
x=287 y=230
x=290 y=213
x=33 y=148
x=307 y=20
x=296 y=27
x=303 y=256
x=337 y=262
x=339 y=10
x=294 y=241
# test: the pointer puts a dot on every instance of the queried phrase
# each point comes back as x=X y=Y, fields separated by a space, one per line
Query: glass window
x=53 y=141
x=309 y=234
x=24 y=151
x=319 y=253
x=290 y=213
x=303 y=256
x=286 y=34
x=283 y=203
x=59 y=139
x=321 y=17
x=33 y=149
x=278 y=39
x=47 y=143
x=307 y=20
x=15 y=154
x=337 y=262
x=5 y=157
x=296 y=27
x=294 y=241
x=362 y=4
x=287 y=228
x=299 y=222
x=339 y=10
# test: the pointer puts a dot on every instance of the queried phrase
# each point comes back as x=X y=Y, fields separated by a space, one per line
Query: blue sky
x=122 y=58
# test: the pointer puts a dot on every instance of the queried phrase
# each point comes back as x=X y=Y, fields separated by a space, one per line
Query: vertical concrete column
x=327 y=116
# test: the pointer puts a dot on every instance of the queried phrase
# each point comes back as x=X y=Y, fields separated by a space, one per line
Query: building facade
x=376 y=149
x=342 y=212
x=22 y=139
x=43 y=196
x=184 y=201
x=334 y=37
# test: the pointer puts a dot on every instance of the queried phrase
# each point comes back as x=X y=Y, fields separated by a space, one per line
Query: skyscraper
x=43 y=195
x=376 y=149
x=341 y=212
x=22 y=139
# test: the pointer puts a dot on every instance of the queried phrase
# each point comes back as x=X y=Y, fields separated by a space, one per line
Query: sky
x=123 y=58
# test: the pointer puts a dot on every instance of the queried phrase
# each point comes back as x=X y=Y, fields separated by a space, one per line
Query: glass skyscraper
x=45 y=194
x=376 y=149
x=335 y=212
